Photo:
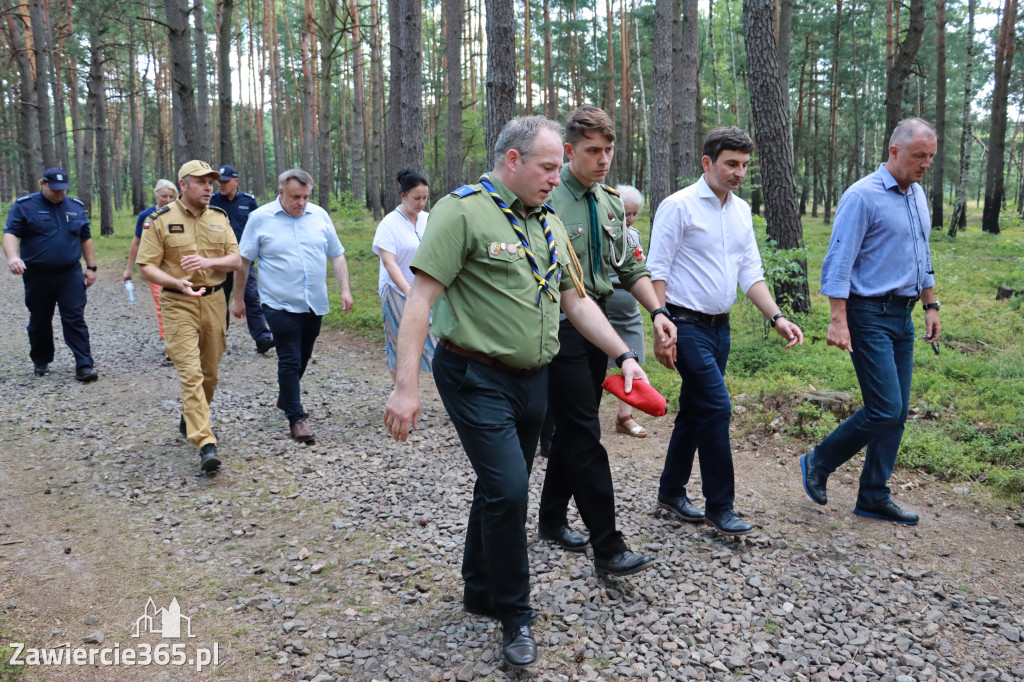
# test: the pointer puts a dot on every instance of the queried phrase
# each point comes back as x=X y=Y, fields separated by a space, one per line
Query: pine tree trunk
x=358 y=104
x=28 y=112
x=939 y=162
x=373 y=175
x=661 y=179
x=40 y=40
x=960 y=208
x=454 y=11
x=307 y=151
x=997 y=133
x=551 y=99
x=501 y=71
x=771 y=124
x=405 y=110
x=186 y=136
x=97 y=104
x=833 y=110
x=140 y=199
x=902 y=64
x=202 y=83
x=225 y=14
x=677 y=86
x=687 y=167
x=273 y=57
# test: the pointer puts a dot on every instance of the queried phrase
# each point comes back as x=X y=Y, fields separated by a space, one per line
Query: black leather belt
x=484 y=359
x=209 y=290
x=719 y=320
x=891 y=300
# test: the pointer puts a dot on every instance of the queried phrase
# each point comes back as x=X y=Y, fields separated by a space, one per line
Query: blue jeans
x=883 y=357
x=702 y=425
x=497 y=415
x=295 y=334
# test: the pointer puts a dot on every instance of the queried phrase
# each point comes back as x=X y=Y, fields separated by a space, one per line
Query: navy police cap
x=228 y=172
x=56 y=179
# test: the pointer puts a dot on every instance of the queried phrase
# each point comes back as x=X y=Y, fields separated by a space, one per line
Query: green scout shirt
x=489 y=304
x=569 y=200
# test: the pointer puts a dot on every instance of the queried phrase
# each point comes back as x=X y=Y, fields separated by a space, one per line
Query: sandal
x=630 y=427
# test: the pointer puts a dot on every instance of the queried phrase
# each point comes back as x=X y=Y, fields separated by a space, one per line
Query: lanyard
x=543 y=281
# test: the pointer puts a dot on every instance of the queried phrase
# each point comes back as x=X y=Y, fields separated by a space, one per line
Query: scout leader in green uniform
x=497 y=261
x=188 y=248
x=577 y=462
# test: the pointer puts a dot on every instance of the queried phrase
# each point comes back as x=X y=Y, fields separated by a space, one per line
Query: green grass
x=974 y=389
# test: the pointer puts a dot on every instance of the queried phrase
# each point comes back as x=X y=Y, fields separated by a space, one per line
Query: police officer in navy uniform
x=46 y=235
x=238 y=206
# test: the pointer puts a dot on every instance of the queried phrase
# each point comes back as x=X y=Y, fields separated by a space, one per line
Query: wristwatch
x=934 y=305
x=629 y=354
x=91 y=267
x=660 y=311
x=776 y=318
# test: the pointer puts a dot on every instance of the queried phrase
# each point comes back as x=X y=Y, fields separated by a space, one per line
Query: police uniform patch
x=176 y=229
x=215 y=227
x=145 y=225
x=465 y=191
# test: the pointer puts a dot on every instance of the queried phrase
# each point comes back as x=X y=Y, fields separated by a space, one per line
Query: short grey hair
x=164 y=184
x=521 y=134
x=298 y=175
x=630 y=193
x=909 y=128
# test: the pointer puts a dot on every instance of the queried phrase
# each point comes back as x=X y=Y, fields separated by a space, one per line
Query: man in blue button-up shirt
x=46 y=235
x=292 y=240
x=877 y=267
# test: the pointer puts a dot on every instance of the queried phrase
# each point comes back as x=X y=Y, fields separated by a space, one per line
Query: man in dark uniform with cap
x=238 y=205
x=46 y=235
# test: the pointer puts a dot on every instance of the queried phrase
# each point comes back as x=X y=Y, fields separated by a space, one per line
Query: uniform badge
x=215 y=227
x=511 y=248
x=176 y=229
x=558 y=277
x=495 y=248
x=639 y=253
x=145 y=225
x=522 y=253
x=611 y=216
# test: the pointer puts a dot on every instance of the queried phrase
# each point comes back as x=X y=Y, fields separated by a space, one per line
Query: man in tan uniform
x=187 y=248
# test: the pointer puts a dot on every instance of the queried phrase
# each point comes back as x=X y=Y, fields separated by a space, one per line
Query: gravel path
x=340 y=561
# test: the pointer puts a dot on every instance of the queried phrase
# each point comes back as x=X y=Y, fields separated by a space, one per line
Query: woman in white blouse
x=396 y=240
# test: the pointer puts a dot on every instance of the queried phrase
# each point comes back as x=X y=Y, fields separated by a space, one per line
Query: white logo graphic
x=60 y=178
x=164 y=622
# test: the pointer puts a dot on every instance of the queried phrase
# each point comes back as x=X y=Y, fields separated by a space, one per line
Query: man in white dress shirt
x=702 y=247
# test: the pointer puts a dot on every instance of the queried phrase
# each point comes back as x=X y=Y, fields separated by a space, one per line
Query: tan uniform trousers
x=195 y=338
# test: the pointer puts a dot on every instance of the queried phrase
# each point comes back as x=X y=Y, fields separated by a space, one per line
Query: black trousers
x=578 y=464
x=64 y=289
x=497 y=415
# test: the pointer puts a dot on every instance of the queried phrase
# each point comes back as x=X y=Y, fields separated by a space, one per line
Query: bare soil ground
x=344 y=556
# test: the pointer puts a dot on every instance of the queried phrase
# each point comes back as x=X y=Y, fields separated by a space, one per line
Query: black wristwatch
x=660 y=311
x=776 y=318
x=934 y=305
x=628 y=355
x=91 y=267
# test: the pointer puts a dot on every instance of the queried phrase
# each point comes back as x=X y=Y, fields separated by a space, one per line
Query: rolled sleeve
x=848 y=230
x=667 y=229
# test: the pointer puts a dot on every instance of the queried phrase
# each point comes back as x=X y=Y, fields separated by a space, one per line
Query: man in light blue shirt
x=877 y=268
x=292 y=240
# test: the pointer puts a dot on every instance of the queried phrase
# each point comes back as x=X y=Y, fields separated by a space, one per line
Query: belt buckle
x=911 y=302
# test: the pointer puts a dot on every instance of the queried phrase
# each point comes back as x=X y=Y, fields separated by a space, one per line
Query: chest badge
x=495 y=248
x=176 y=229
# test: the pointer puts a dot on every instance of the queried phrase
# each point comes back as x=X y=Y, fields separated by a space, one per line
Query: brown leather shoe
x=302 y=433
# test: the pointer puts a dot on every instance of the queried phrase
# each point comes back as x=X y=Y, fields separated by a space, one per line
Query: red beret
x=643 y=396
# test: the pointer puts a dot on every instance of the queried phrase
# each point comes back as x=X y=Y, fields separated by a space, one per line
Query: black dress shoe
x=886 y=510
x=544 y=448
x=681 y=507
x=623 y=563
x=265 y=345
x=727 y=523
x=518 y=646
x=181 y=427
x=208 y=459
x=41 y=369
x=814 y=482
x=86 y=374
x=565 y=537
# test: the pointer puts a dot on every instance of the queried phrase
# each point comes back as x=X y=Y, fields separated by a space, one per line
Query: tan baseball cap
x=199 y=169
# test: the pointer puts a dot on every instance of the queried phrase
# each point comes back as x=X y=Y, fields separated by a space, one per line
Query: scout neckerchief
x=543 y=281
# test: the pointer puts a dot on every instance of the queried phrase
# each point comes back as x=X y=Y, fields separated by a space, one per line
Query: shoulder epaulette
x=465 y=191
x=24 y=198
x=160 y=211
x=246 y=194
x=77 y=201
x=218 y=209
x=549 y=209
x=611 y=190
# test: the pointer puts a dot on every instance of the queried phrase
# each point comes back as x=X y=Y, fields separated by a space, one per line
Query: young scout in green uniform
x=187 y=248
x=496 y=259
x=577 y=462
